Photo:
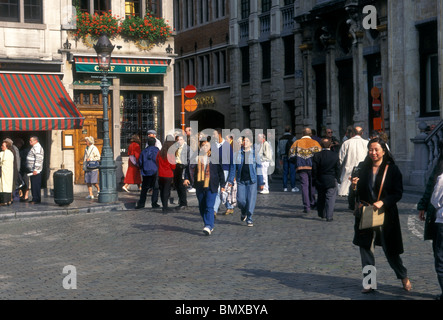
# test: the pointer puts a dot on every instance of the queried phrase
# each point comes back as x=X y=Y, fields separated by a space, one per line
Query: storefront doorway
x=139 y=112
x=209 y=119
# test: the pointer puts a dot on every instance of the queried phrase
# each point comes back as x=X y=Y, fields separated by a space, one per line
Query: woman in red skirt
x=133 y=175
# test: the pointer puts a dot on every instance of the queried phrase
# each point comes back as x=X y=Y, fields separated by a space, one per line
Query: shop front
x=36 y=103
x=136 y=104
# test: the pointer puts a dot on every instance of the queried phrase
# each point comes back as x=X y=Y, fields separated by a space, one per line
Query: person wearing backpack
x=284 y=143
x=149 y=169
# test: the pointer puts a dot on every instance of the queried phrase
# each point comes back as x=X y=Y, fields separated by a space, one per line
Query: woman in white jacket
x=7 y=174
x=91 y=175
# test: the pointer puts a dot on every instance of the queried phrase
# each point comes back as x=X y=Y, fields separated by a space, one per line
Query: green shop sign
x=133 y=69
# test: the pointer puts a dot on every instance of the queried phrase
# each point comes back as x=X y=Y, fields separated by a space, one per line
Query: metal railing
x=426 y=151
x=432 y=141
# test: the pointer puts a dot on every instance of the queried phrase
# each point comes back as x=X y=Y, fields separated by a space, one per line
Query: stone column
x=277 y=82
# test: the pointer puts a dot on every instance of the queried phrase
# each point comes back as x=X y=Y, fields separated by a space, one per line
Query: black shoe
x=139 y=207
x=154 y=205
x=329 y=220
x=180 y=207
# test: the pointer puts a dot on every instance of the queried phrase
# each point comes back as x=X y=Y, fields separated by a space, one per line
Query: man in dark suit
x=325 y=176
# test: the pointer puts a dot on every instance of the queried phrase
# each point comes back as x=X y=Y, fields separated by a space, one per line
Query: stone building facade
x=202 y=48
x=37 y=38
x=320 y=63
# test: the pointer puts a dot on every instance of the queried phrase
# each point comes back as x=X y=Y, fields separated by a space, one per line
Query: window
x=189 y=72
x=132 y=8
x=90 y=98
x=432 y=97
x=203 y=11
x=289 y=55
x=155 y=7
x=9 y=10
x=429 y=82
x=139 y=112
x=289 y=2
x=245 y=64
x=266 y=60
x=189 y=13
x=245 y=8
x=96 y=6
x=177 y=14
x=32 y=10
x=218 y=8
x=266 y=5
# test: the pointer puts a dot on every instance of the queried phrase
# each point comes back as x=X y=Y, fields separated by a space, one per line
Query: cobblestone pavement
x=133 y=254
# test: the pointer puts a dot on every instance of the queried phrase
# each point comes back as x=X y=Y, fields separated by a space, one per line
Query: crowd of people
x=230 y=171
x=221 y=171
x=20 y=171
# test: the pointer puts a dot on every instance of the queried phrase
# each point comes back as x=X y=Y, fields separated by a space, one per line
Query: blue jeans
x=218 y=200
x=246 y=198
x=206 y=200
x=288 y=168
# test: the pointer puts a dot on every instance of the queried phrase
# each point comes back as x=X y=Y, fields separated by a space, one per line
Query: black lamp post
x=108 y=180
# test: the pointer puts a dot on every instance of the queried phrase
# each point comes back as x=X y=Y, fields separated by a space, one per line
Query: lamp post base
x=108 y=189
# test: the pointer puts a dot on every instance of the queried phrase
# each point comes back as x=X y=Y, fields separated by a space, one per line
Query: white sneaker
x=264 y=192
x=295 y=189
x=126 y=189
x=285 y=190
x=207 y=231
x=90 y=197
x=191 y=190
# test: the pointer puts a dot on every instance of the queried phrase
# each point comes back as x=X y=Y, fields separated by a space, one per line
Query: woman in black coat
x=388 y=235
x=208 y=177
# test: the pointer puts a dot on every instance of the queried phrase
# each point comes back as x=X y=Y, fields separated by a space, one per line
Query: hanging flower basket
x=149 y=28
x=96 y=24
x=145 y=32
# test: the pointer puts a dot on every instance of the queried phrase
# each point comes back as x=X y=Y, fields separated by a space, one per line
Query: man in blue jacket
x=149 y=170
x=248 y=174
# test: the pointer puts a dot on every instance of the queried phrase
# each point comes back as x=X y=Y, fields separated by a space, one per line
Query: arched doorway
x=208 y=119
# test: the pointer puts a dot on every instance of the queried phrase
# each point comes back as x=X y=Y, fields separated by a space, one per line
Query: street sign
x=190 y=91
x=190 y=105
x=376 y=105
x=375 y=93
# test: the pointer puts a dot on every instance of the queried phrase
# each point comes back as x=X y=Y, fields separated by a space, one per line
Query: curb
x=61 y=212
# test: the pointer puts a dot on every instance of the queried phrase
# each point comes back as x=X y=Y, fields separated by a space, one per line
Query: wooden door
x=92 y=126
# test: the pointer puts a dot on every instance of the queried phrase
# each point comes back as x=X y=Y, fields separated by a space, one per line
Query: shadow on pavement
x=341 y=287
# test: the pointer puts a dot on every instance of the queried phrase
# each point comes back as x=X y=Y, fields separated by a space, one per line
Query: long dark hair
x=387 y=158
x=169 y=141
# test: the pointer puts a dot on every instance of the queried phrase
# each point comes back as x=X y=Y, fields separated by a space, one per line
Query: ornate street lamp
x=108 y=180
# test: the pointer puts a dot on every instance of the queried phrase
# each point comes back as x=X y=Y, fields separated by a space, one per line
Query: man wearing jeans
x=223 y=155
x=34 y=163
x=248 y=175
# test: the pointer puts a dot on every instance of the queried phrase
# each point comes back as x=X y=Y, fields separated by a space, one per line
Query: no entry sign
x=190 y=91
